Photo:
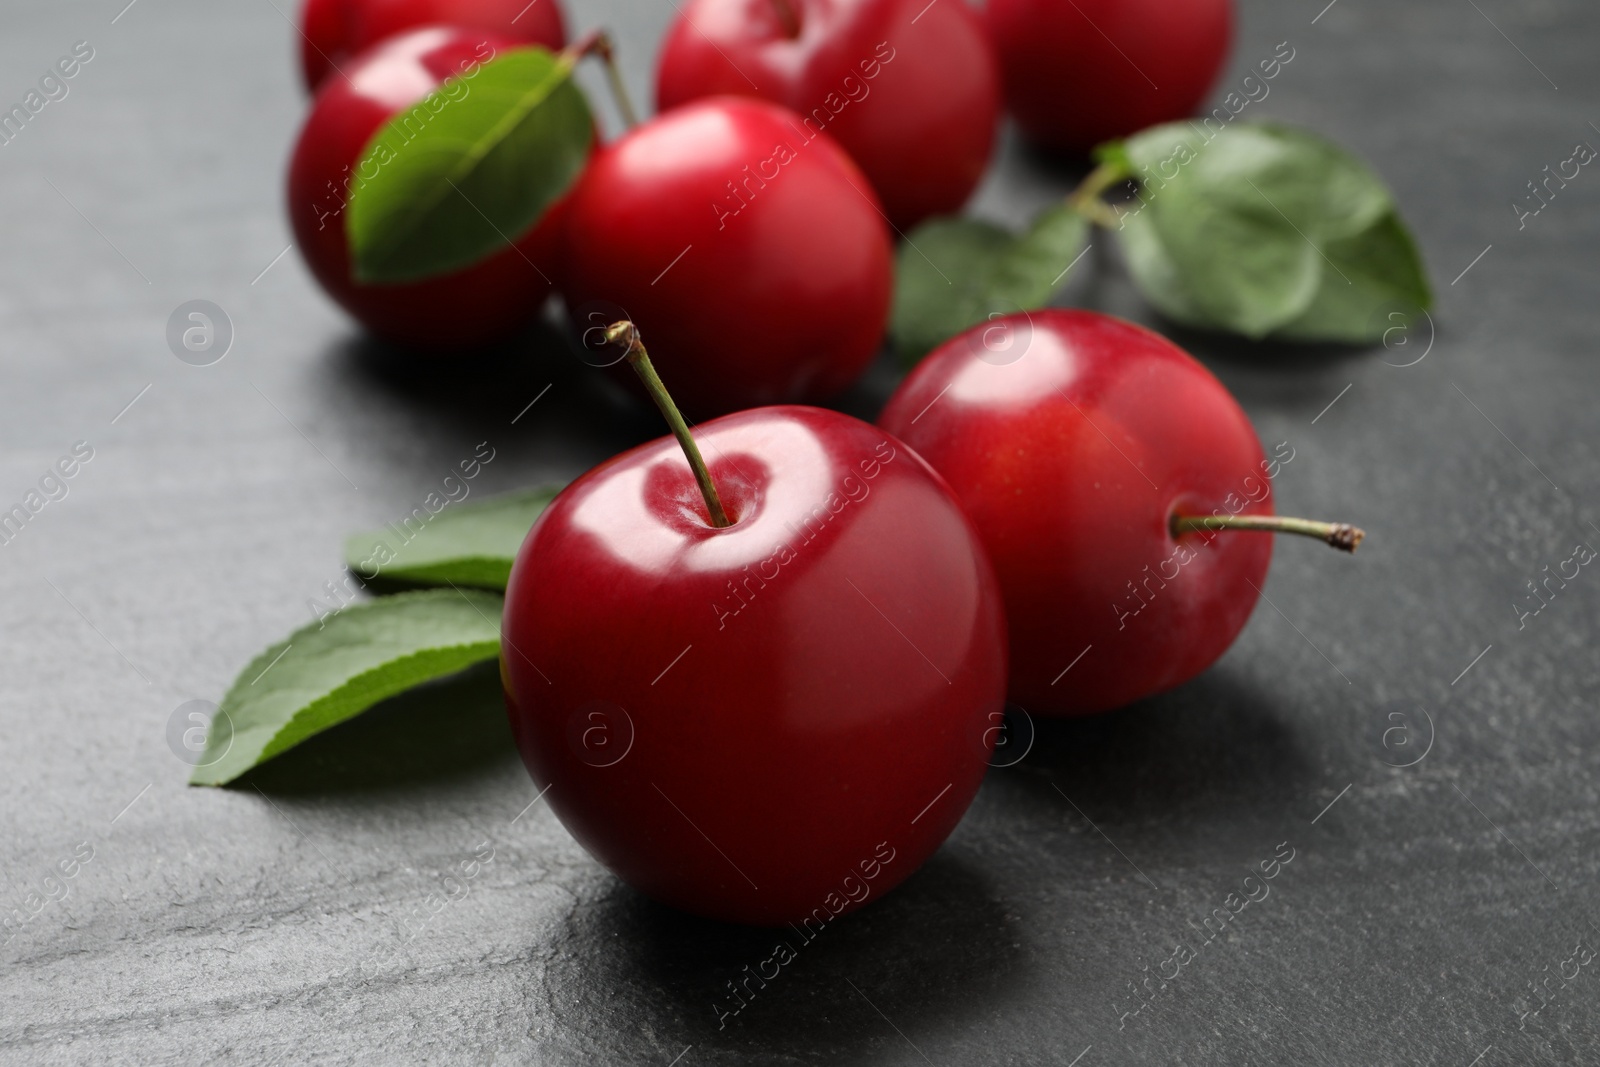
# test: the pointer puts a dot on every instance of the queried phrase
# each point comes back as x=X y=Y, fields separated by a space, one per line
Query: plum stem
x=1085 y=199
x=789 y=17
x=1340 y=535
x=626 y=333
x=598 y=43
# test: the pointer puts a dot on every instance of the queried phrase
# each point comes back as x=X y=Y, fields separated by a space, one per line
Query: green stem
x=1085 y=199
x=1338 y=534
x=625 y=332
x=598 y=43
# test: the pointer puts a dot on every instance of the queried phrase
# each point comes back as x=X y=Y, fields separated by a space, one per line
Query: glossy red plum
x=334 y=32
x=753 y=256
x=1072 y=439
x=770 y=722
x=1076 y=74
x=486 y=301
x=911 y=90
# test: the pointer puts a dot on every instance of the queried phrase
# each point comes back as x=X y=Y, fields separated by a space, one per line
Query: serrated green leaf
x=1233 y=269
x=466 y=170
x=472 y=544
x=334 y=669
x=1302 y=175
x=953 y=273
x=1377 y=286
x=1038 y=261
x=933 y=302
x=1265 y=230
x=1155 y=273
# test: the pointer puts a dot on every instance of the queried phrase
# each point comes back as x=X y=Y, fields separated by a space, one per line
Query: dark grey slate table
x=294 y=920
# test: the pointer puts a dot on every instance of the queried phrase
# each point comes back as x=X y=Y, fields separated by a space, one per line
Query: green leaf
x=954 y=273
x=468 y=169
x=932 y=303
x=1155 y=273
x=465 y=545
x=338 y=667
x=1265 y=230
x=1377 y=286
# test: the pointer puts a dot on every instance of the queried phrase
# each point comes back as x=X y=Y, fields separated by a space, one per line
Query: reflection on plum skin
x=453 y=728
x=936 y=951
x=1215 y=741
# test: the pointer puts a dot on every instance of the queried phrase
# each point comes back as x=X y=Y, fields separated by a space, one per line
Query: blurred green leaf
x=954 y=273
x=338 y=667
x=471 y=544
x=473 y=166
x=1266 y=230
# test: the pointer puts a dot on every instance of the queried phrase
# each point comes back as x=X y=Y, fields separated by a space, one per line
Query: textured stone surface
x=289 y=920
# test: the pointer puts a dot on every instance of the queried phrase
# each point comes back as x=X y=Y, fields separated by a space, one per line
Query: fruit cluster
x=744 y=657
